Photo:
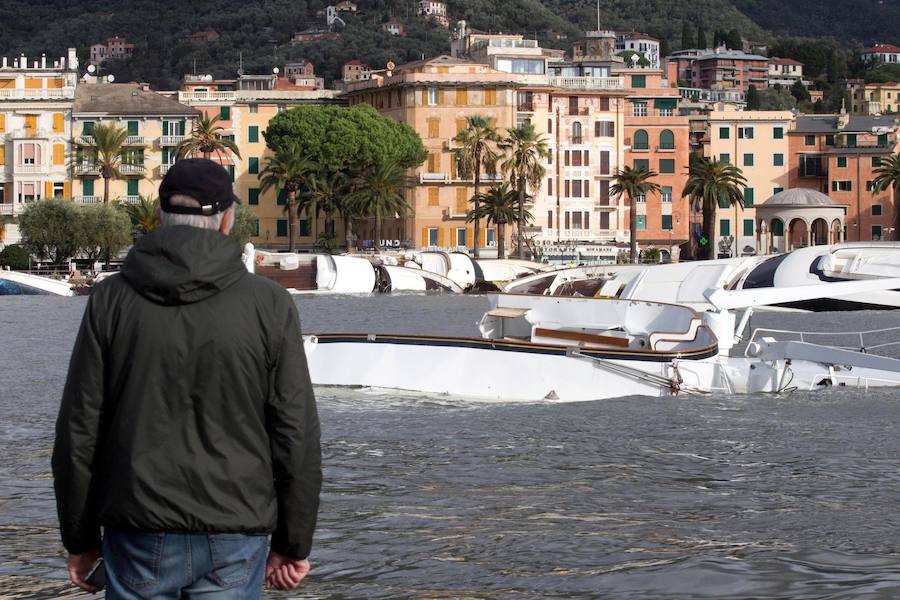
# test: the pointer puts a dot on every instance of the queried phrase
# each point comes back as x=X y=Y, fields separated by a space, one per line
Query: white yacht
x=15 y=283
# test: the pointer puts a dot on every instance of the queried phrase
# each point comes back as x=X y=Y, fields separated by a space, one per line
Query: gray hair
x=213 y=222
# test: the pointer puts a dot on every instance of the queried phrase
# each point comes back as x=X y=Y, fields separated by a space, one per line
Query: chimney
x=43 y=61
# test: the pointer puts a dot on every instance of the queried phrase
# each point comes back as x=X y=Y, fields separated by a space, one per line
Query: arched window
x=641 y=140
x=666 y=140
x=576 y=132
x=777 y=227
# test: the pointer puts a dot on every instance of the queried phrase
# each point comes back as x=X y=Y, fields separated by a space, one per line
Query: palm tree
x=888 y=177
x=287 y=168
x=206 y=137
x=712 y=182
x=326 y=193
x=632 y=183
x=380 y=193
x=106 y=152
x=144 y=215
x=523 y=167
x=474 y=155
x=499 y=205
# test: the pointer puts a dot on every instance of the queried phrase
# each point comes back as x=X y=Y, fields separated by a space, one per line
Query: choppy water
x=726 y=497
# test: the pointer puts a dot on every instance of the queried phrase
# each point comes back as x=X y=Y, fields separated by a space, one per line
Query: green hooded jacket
x=188 y=404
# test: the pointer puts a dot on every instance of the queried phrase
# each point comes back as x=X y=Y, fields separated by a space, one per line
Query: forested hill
x=258 y=32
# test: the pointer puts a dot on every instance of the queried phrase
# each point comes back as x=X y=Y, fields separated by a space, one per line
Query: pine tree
x=753 y=100
x=687 y=37
x=701 y=36
x=733 y=40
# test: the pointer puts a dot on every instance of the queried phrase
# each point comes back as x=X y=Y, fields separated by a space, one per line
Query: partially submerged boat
x=469 y=273
x=573 y=349
x=15 y=283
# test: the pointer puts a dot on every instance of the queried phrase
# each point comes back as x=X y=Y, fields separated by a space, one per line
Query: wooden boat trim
x=577 y=336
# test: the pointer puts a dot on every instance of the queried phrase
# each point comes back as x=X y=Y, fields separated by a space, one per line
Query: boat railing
x=857 y=381
x=859 y=341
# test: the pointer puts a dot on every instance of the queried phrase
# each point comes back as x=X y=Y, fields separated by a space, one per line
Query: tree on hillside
x=712 y=183
x=753 y=100
x=687 y=36
x=799 y=91
x=527 y=150
x=206 y=138
x=632 y=183
x=701 y=36
x=475 y=154
x=733 y=40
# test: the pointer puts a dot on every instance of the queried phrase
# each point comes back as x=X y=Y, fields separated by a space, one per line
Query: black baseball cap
x=203 y=180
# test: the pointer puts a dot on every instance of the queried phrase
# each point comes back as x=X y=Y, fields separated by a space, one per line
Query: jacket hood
x=182 y=264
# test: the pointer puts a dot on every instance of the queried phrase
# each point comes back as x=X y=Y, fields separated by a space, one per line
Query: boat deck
x=301 y=278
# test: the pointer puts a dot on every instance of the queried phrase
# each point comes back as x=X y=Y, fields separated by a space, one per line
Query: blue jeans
x=163 y=565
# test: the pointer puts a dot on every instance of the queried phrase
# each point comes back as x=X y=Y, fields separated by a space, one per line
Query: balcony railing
x=130 y=199
x=582 y=235
x=31 y=168
x=434 y=178
x=164 y=168
x=48 y=94
x=86 y=168
x=171 y=140
x=212 y=95
x=87 y=199
x=84 y=140
x=600 y=205
x=7 y=209
x=131 y=169
x=134 y=140
x=525 y=107
x=588 y=83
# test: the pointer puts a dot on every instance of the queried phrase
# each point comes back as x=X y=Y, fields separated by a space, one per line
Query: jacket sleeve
x=77 y=435
x=293 y=425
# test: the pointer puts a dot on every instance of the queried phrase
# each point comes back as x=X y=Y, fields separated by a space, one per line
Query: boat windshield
x=763 y=276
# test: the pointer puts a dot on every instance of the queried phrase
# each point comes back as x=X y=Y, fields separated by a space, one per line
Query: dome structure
x=798 y=198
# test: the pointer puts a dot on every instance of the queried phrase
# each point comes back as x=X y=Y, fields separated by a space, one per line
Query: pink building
x=115 y=47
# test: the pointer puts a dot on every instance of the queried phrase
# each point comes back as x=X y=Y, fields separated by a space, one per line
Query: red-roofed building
x=785 y=71
x=115 y=47
x=881 y=53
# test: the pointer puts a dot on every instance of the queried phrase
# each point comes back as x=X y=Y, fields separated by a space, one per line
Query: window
x=225 y=113
x=462 y=201
x=433 y=196
x=851 y=140
x=433 y=98
x=229 y=168
x=434 y=162
x=724 y=227
x=132 y=187
x=639 y=109
x=281 y=199
x=434 y=127
x=745 y=133
x=810 y=140
x=641 y=222
x=725 y=158
x=666 y=140
x=666 y=165
x=549 y=186
x=87 y=187
x=748 y=160
x=281 y=228
x=576 y=188
x=724 y=133
x=253 y=196
x=603 y=129
x=253 y=134
x=749 y=197
x=59 y=154
x=642 y=163
x=641 y=198
x=253 y=165
x=666 y=194
x=549 y=125
x=638 y=81
x=462 y=97
x=842 y=162
x=841 y=186
x=254 y=108
x=778 y=133
x=30 y=155
x=576 y=133
x=777 y=190
x=490 y=236
x=132 y=127
x=876 y=161
x=876 y=210
x=461 y=237
x=748 y=227
x=870 y=185
x=778 y=160
x=641 y=140
x=59 y=189
x=490 y=99
x=667 y=222
x=604 y=162
x=573 y=105
x=87 y=128
x=59 y=122
x=876 y=232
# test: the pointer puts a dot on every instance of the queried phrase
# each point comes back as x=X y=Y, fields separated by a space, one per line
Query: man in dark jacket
x=188 y=427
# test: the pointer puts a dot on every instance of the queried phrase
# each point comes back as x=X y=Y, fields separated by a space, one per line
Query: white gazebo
x=797 y=218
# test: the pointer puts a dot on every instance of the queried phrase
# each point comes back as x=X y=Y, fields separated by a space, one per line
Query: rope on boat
x=674 y=385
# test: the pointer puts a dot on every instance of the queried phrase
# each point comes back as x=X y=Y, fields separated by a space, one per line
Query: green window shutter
x=641 y=222
x=748 y=227
x=883 y=139
x=281 y=228
x=641 y=140
x=253 y=134
x=667 y=222
x=740 y=133
x=304 y=228
x=724 y=203
x=779 y=160
x=749 y=197
x=666 y=140
x=253 y=165
x=725 y=158
x=181 y=128
x=666 y=165
x=87 y=128
x=748 y=160
x=87 y=187
x=724 y=227
x=225 y=113
x=253 y=196
x=165 y=128
x=165 y=156
x=230 y=171
x=638 y=81
x=132 y=127
x=876 y=210
x=282 y=197
x=842 y=161
x=132 y=187
x=749 y=133
x=834 y=186
x=777 y=227
x=851 y=140
x=665 y=103
x=779 y=133
x=642 y=163
x=724 y=133
x=876 y=161
x=876 y=232
x=810 y=140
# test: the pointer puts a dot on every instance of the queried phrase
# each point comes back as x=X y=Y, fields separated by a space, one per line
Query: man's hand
x=283 y=573
x=79 y=565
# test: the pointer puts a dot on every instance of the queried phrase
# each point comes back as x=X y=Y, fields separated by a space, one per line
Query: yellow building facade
x=875 y=98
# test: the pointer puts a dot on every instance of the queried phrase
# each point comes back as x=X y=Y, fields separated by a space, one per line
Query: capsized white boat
x=471 y=274
x=15 y=283
x=573 y=349
x=684 y=283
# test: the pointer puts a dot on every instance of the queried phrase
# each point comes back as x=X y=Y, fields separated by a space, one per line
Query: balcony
x=48 y=94
x=171 y=140
x=87 y=199
x=30 y=168
x=588 y=83
x=576 y=235
x=605 y=206
x=434 y=178
x=164 y=168
x=654 y=112
x=7 y=209
x=525 y=107
x=86 y=168
x=207 y=96
x=84 y=140
x=129 y=199
x=134 y=140
x=131 y=169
